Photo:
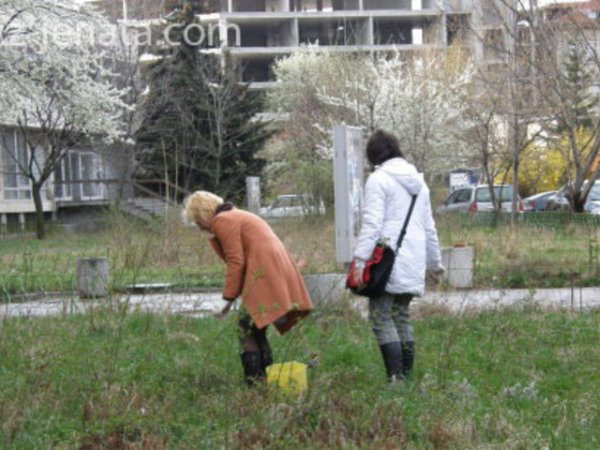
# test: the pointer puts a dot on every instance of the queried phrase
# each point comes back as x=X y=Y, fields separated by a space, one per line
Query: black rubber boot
x=392 y=358
x=408 y=358
x=253 y=371
x=266 y=356
x=266 y=359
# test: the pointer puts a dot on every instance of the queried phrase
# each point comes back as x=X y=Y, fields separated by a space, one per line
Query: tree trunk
x=515 y=151
x=578 y=203
x=515 y=192
x=40 y=229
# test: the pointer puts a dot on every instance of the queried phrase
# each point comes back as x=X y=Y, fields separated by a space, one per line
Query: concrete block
x=92 y=277
x=459 y=263
x=325 y=288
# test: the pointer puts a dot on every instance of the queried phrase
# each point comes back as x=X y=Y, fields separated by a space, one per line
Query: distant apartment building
x=78 y=180
x=582 y=17
x=258 y=32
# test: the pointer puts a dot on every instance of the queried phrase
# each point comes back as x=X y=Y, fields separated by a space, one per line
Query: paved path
x=577 y=298
x=207 y=304
x=199 y=304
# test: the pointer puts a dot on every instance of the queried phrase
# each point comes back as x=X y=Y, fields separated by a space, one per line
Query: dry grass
x=166 y=251
x=312 y=241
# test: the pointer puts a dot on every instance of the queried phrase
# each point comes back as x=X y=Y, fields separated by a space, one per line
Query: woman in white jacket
x=388 y=193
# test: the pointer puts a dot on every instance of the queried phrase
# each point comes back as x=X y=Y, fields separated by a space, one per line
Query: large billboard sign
x=348 y=175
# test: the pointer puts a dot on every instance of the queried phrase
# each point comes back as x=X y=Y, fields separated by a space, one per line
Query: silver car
x=560 y=202
x=474 y=199
x=292 y=205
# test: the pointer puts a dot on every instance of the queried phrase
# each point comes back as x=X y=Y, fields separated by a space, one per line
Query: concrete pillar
x=366 y=37
x=417 y=36
x=444 y=30
x=295 y=33
x=3 y=224
x=22 y=221
x=92 y=277
x=222 y=32
x=253 y=194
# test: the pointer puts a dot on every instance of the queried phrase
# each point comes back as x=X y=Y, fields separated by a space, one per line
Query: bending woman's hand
x=226 y=309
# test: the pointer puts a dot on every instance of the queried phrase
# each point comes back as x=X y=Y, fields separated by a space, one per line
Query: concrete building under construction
x=257 y=32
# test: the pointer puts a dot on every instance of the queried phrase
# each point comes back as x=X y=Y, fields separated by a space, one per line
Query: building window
x=63 y=189
x=15 y=184
x=90 y=169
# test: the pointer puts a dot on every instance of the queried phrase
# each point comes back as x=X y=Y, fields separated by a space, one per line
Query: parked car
x=292 y=205
x=560 y=201
x=478 y=198
x=537 y=202
x=592 y=203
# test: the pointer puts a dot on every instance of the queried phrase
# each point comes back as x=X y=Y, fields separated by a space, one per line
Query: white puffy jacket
x=388 y=193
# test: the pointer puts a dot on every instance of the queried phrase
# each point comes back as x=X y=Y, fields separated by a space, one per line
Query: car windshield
x=594 y=195
x=483 y=193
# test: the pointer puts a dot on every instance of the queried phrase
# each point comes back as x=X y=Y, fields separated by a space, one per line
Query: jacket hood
x=403 y=173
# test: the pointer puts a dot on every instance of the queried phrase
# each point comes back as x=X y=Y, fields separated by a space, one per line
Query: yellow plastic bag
x=290 y=377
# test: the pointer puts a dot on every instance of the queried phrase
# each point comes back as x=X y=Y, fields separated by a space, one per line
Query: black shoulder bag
x=378 y=268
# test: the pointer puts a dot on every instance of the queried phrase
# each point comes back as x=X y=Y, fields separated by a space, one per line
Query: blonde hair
x=200 y=205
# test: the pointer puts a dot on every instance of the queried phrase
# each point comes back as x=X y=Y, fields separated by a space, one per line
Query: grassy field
x=528 y=255
x=509 y=379
x=167 y=252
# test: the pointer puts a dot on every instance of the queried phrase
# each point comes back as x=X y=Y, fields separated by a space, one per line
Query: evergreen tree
x=580 y=83
x=198 y=126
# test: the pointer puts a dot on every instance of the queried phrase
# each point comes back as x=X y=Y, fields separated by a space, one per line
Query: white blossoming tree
x=418 y=101
x=302 y=158
x=56 y=88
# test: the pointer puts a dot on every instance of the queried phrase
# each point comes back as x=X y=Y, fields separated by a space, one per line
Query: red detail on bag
x=376 y=257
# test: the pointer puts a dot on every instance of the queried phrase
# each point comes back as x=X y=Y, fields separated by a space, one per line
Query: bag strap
x=403 y=232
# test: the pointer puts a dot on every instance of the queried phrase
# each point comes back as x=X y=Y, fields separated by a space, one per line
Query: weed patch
x=505 y=379
x=167 y=252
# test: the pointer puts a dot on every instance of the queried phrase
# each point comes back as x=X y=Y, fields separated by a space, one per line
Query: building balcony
x=266 y=17
x=341 y=6
x=262 y=52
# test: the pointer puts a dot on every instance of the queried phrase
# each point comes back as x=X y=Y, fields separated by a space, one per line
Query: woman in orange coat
x=259 y=270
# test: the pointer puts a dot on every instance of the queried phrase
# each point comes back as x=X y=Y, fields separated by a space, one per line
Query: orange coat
x=259 y=269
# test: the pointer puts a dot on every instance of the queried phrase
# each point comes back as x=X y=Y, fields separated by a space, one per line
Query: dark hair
x=382 y=146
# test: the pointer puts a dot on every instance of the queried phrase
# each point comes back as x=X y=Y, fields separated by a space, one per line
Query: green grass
x=137 y=252
x=508 y=379
x=526 y=255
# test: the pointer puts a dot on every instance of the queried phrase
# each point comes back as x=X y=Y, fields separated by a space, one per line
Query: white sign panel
x=458 y=180
x=348 y=173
